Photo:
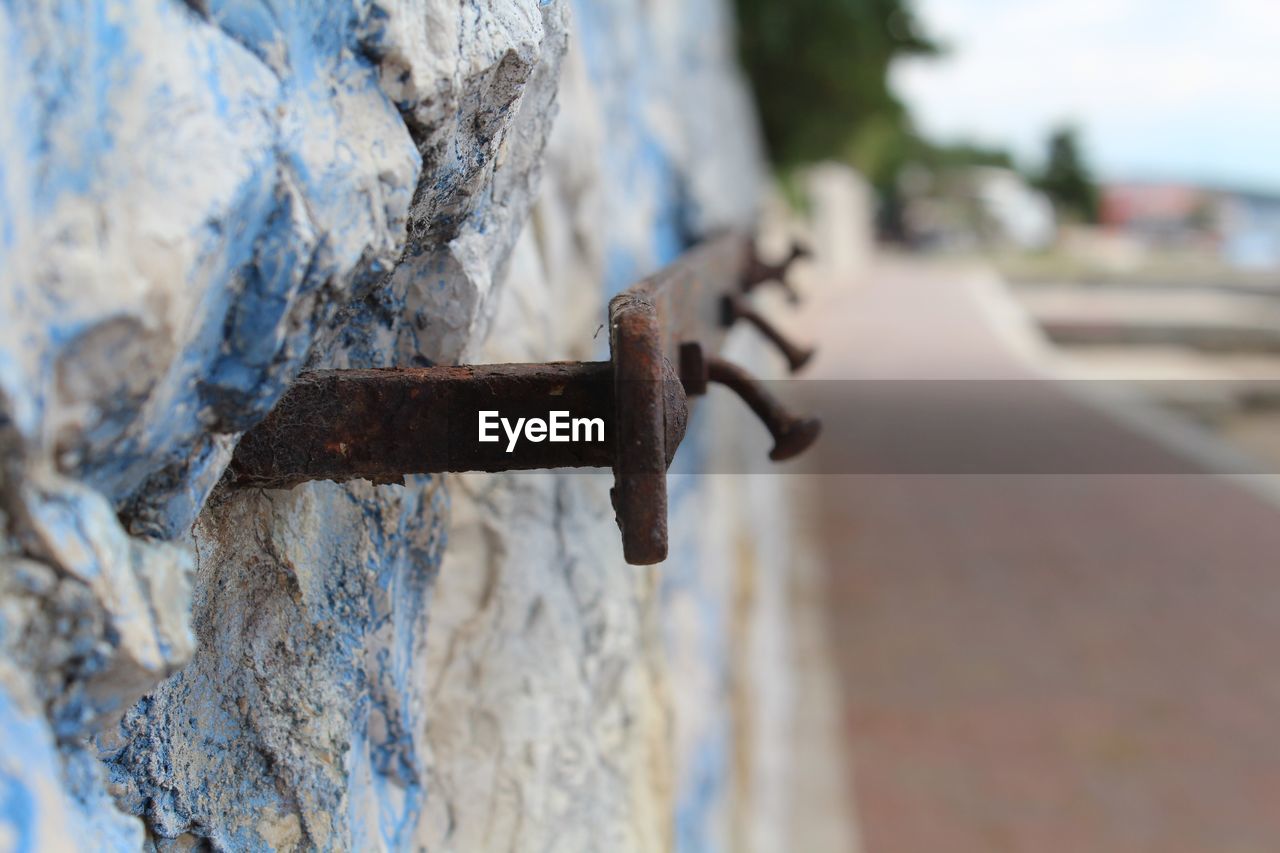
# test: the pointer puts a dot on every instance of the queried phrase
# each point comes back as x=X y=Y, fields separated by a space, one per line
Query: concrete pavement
x=1040 y=663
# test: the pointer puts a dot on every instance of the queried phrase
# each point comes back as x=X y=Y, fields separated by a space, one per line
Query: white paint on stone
x=226 y=196
x=580 y=703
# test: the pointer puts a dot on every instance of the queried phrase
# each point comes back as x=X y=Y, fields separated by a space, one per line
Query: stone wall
x=198 y=201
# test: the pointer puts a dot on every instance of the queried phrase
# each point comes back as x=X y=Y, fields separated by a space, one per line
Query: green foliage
x=962 y=154
x=1066 y=178
x=819 y=70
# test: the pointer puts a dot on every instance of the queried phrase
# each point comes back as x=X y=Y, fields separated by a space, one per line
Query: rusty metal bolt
x=734 y=308
x=792 y=435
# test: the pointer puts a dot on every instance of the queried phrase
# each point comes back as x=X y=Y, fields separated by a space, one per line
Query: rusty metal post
x=380 y=425
x=383 y=424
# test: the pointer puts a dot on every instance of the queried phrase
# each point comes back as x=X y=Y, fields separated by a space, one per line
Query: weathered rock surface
x=197 y=201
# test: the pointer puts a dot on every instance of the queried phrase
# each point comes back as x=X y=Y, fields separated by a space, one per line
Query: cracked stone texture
x=578 y=703
x=196 y=202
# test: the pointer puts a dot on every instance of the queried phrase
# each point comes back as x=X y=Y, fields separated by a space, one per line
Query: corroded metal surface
x=648 y=324
x=792 y=435
x=736 y=308
x=758 y=271
x=686 y=295
x=640 y=465
x=381 y=425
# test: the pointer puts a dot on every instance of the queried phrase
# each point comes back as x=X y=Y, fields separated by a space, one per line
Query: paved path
x=1043 y=663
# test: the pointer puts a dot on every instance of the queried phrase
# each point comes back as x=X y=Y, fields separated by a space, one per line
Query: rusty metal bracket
x=735 y=308
x=759 y=271
x=383 y=424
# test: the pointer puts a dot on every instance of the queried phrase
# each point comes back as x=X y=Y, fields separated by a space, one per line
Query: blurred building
x=977 y=207
x=1241 y=227
x=1250 y=227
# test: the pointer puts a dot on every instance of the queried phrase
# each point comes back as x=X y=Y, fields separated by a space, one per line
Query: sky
x=1160 y=89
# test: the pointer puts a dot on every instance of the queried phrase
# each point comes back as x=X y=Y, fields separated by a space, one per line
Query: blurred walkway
x=1047 y=663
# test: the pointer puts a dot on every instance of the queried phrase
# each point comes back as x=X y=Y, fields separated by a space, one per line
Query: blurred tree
x=961 y=154
x=1066 y=178
x=819 y=69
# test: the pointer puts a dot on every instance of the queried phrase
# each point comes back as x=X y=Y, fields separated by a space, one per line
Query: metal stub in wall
x=384 y=424
x=381 y=424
